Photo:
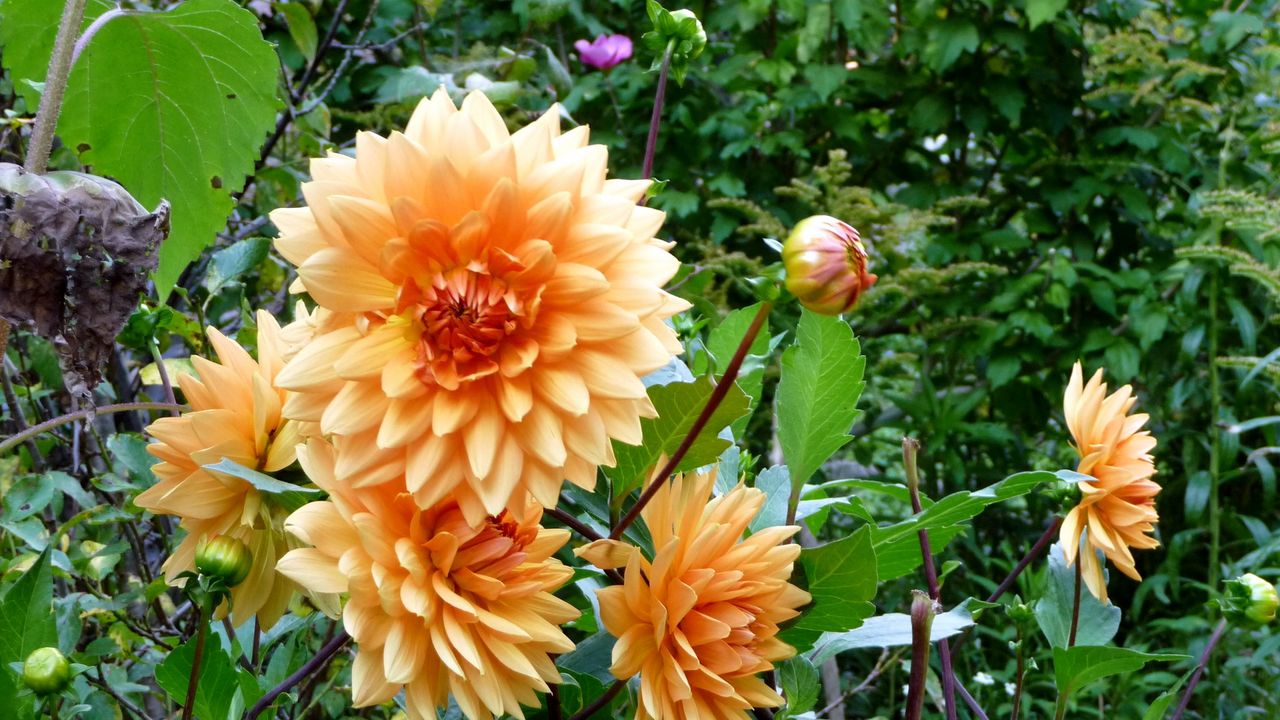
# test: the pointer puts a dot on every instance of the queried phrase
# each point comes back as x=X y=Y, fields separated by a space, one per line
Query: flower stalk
x=55 y=87
x=921 y=626
x=713 y=402
x=655 y=120
x=314 y=665
x=202 y=630
x=1218 y=630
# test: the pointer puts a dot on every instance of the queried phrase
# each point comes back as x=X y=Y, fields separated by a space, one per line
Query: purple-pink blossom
x=605 y=51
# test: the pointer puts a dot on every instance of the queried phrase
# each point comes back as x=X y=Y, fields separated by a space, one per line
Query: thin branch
x=19 y=419
x=655 y=120
x=48 y=425
x=315 y=664
x=1204 y=662
x=600 y=702
x=573 y=524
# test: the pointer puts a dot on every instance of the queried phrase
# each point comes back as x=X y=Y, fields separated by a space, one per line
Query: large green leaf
x=26 y=613
x=799 y=680
x=818 y=394
x=218 y=684
x=1073 y=668
x=27 y=31
x=1098 y=621
x=175 y=105
x=842 y=580
x=892 y=630
x=898 y=545
x=678 y=406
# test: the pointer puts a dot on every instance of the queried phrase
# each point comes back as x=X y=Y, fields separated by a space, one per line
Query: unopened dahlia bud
x=1250 y=601
x=690 y=32
x=225 y=558
x=46 y=671
x=826 y=265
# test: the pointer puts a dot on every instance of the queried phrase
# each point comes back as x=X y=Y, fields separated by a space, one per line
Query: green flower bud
x=1250 y=601
x=225 y=558
x=826 y=265
x=689 y=33
x=46 y=671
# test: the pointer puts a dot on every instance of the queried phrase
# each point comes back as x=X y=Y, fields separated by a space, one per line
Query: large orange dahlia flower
x=700 y=621
x=235 y=415
x=438 y=605
x=1117 y=508
x=500 y=301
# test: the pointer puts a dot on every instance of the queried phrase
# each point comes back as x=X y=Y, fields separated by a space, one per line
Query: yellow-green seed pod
x=46 y=671
x=226 y=558
x=826 y=265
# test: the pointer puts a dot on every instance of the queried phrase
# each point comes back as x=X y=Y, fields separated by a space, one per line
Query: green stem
x=48 y=425
x=55 y=86
x=1075 y=602
x=1215 y=405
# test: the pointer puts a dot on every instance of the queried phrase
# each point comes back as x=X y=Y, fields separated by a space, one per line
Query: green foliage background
x=1039 y=181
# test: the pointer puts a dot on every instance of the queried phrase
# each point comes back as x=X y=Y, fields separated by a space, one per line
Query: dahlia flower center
x=466 y=317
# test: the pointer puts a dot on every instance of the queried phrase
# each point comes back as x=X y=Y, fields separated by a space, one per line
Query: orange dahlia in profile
x=1117 y=508
x=235 y=415
x=502 y=300
x=699 y=622
x=438 y=605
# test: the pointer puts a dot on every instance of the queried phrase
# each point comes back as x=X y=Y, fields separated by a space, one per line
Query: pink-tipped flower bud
x=826 y=265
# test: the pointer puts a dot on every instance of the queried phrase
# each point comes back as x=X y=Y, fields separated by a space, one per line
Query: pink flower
x=605 y=52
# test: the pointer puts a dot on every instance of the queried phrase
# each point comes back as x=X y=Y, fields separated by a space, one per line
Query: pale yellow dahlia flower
x=700 y=621
x=437 y=605
x=235 y=414
x=502 y=301
x=1118 y=508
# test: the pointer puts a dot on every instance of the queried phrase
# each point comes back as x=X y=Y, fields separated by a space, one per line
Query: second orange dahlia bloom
x=438 y=606
x=235 y=414
x=497 y=301
x=699 y=622
x=1117 y=508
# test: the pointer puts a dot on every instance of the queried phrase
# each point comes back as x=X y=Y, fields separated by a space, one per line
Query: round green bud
x=693 y=33
x=1250 y=601
x=225 y=558
x=46 y=671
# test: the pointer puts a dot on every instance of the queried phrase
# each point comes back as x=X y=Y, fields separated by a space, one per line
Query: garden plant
x=554 y=359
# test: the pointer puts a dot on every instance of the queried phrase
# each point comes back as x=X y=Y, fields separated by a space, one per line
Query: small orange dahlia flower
x=437 y=605
x=1117 y=508
x=235 y=415
x=502 y=300
x=700 y=621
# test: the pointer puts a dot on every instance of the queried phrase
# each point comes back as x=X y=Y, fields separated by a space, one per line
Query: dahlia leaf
x=898 y=545
x=26 y=613
x=723 y=341
x=175 y=105
x=776 y=484
x=893 y=630
x=217 y=686
x=261 y=481
x=818 y=394
x=842 y=580
x=1076 y=667
x=27 y=32
x=592 y=657
x=1098 y=621
x=678 y=406
x=799 y=680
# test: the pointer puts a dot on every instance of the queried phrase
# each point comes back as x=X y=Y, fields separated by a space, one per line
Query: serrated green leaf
x=230 y=263
x=776 y=484
x=842 y=580
x=818 y=394
x=948 y=40
x=218 y=684
x=1098 y=621
x=678 y=406
x=898 y=545
x=1074 y=668
x=175 y=106
x=799 y=680
x=27 y=32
